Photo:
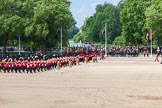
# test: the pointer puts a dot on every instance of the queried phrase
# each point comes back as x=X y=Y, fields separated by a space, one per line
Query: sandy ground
x=112 y=83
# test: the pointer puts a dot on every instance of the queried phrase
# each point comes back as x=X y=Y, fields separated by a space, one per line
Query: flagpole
x=105 y=39
x=19 y=43
x=61 y=38
x=151 y=41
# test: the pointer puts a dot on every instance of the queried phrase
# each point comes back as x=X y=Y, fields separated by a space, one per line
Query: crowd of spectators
x=117 y=51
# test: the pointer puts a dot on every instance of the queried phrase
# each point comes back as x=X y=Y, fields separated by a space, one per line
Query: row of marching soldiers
x=31 y=66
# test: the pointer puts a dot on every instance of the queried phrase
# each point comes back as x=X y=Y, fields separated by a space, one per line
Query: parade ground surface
x=111 y=83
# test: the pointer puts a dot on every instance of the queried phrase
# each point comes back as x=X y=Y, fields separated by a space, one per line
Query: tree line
x=127 y=23
x=35 y=22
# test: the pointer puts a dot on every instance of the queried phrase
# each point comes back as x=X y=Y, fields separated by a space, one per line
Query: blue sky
x=85 y=8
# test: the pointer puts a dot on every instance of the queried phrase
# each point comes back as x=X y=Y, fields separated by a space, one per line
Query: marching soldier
x=94 y=58
x=1 y=65
x=147 y=52
x=77 y=60
x=86 y=59
x=5 y=67
x=70 y=63
x=41 y=65
x=102 y=54
x=12 y=66
x=58 y=65
x=157 y=54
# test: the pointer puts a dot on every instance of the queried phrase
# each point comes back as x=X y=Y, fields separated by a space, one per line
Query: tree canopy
x=35 y=20
x=92 y=27
x=154 y=21
x=130 y=19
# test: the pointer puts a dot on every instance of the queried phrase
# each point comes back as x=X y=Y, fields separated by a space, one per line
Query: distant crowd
x=117 y=51
x=129 y=51
x=70 y=56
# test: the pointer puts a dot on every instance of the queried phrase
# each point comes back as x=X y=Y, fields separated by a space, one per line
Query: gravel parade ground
x=116 y=82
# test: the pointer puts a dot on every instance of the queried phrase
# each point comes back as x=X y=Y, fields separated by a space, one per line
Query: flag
x=58 y=31
x=103 y=33
x=17 y=36
x=148 y=36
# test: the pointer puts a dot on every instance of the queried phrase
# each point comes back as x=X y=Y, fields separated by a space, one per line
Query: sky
x=86 y=8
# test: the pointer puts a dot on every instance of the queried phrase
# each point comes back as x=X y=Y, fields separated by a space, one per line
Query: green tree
x=132 y=17
x=53 y=15
x=119 y=41
x=10 y=20
x=73 y=31
x=154 y=20
x=93 y=26
x=35 y=20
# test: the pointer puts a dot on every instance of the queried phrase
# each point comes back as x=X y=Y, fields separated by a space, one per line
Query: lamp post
x=61 y=38
x=19 y=43
x=151 y=41
x=105 y=39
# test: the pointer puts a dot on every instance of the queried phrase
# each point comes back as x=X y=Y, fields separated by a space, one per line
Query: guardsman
x=5 y=67
x=67 y=62
x=27 y=66
x=24 y=66
x=34 y=66
x=147 y=52
x=70 y=63
x=73 y=59
x=42 y=66
x=93 y=60
x=102 y=54
x=58 y=64
x=144 y=53
x=9 y=66
x=16 y=67
x=95 y=57
x=61 y=62
x=157 y=54
x=45 y=65
x=30 y=66
x=20 y=66
x=48 y=64
x=86 y=59
x=77 y=60
x=12 y=66
x=157 y=57
x=38 y=65
x=1 y=65
x=55 y=63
